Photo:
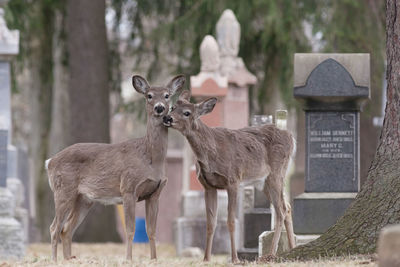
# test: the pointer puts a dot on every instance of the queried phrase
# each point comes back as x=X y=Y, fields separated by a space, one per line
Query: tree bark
x=378 y=203
x=89 y=98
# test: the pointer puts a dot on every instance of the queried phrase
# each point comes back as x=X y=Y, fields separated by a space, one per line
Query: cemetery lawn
x=111 y=254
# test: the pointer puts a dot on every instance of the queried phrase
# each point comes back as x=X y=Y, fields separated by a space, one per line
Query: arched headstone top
x=330 y=79
x=228 y=34
x=209 y=54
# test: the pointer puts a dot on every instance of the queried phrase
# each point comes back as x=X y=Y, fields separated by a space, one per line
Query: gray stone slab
x=314 y=213
x=332 y=151
x=12 y=161
x=255 y=223
x=5 y=99
x=3 y=157
x=23 y=175
x=191 y=232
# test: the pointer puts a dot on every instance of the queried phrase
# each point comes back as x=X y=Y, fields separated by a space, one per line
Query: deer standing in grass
x=226 y=157
x=124 y=173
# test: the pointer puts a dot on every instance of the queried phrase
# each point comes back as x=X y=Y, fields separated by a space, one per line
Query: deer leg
x=151 y=222
x=276 y=195
x=211 y=200
x=232 y=203
x=129 y=201
x=289 y=226
x=62 y=210
x=151 y=218
x=81 y=209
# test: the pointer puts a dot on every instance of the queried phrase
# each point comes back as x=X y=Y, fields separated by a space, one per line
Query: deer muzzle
x=159 y=108
x=167 y=120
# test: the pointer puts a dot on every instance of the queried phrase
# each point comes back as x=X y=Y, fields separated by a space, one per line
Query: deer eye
x=186 y=113
x=166 y=96
x=149 y=96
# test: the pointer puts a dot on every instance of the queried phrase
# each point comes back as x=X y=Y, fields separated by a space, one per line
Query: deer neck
x=156 y=142
x=201 y=141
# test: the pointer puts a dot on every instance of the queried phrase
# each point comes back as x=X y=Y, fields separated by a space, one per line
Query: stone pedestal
x=11 y=235
x=21 y=215
x=332 y=89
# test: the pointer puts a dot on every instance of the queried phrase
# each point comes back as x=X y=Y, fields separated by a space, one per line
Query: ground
x=111 y=254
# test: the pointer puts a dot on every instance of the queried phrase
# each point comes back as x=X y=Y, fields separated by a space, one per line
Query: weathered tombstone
x=11 y=233
x=389 y=246
x=332 y=89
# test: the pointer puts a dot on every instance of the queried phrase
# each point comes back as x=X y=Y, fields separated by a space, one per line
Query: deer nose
x=167 y=119
x=159 y=108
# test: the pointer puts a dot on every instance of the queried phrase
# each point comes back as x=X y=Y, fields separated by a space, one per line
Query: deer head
x=185 y=115
x=158 y=98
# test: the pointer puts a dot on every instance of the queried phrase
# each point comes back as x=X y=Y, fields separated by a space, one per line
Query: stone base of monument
x=191 y=232
x=265 y=243
x=314 y=213
x=11 y=234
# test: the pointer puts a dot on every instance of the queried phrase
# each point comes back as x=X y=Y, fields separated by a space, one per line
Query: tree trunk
x=40 y=92
x=89 y=98
x=378 y=203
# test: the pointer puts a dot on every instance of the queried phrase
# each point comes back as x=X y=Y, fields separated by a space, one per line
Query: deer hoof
x=267 y=258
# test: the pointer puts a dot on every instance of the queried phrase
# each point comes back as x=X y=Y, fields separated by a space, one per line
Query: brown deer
x=226 y=157
x=124 y=173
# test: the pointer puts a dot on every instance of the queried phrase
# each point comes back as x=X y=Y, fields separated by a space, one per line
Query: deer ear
x=206 y=106
x=140 y=84
x=185 y=95
x=176 y=84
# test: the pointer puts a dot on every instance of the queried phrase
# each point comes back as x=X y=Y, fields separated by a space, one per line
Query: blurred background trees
x=77 y=57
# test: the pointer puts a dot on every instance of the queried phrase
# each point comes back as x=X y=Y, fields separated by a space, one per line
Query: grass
x=111 y=254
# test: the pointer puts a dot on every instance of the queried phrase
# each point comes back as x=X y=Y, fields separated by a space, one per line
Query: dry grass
x=109 y=254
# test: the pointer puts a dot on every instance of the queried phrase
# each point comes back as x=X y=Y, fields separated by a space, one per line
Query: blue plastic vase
x=140 y=231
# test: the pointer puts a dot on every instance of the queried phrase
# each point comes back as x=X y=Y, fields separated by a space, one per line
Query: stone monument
x=332 y=89
x=11 y=232
x=223 y=75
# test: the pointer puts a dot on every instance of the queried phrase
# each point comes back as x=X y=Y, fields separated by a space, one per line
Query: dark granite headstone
x=332 y=101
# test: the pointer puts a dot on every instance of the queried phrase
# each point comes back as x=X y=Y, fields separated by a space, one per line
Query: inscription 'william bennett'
x=331 y=143
x=332 y=149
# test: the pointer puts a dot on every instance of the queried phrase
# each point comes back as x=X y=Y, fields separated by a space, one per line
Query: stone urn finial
x=228 y=34
x=209 y=54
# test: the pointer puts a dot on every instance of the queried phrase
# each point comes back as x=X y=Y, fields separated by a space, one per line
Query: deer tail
x=46 y=165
